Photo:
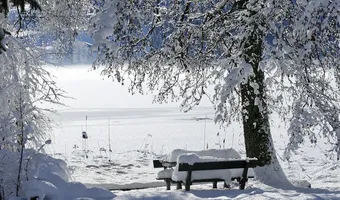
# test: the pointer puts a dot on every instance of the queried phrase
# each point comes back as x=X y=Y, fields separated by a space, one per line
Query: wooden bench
x=230 y=164
x=166 y=165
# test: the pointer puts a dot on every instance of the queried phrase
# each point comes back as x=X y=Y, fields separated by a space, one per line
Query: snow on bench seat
x=165 y=173
x=217 y=153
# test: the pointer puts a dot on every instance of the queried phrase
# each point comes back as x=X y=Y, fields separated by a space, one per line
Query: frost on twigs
x=24 y=85
x=249 y=58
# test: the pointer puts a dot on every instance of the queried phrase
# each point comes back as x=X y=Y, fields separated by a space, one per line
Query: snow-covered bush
x=24 y=126
x=44 y=177
x=24 y=85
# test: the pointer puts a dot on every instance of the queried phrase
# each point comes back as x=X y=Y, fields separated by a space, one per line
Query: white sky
x=90 y=90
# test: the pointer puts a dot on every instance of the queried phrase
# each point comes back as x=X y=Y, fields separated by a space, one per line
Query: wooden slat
x=234 y=164
x=161 y=163
x=157 y=164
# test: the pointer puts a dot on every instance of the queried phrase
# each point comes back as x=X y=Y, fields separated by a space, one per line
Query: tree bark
x=254 y=110
x=256 y=126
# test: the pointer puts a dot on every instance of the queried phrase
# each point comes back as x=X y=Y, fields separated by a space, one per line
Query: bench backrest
x=230 y=164
x=157 y=164
x=160 y=164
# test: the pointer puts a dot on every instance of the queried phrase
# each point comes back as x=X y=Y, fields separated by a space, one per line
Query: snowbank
x=50 y=180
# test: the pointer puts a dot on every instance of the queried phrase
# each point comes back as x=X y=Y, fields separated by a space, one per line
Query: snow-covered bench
x=206 y=166
x=166 y=173
x=212 y=171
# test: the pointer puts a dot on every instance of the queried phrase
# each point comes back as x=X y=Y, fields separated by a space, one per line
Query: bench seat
x=205 y=166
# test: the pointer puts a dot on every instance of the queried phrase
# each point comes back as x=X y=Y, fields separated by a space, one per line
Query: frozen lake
x=140 y=131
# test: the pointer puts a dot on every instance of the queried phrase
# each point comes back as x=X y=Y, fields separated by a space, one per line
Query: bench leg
x=243 y=183
x=226 y=185
x=188 y=180
x=215 y=184
x=187 y=186
x=244 y=178
x=179 y=185
x=168 y=184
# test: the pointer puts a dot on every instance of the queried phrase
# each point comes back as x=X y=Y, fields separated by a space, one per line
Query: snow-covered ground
x=140 y=131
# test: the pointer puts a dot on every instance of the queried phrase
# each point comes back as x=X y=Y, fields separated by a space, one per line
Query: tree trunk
x=21 y=142
x=256 y=126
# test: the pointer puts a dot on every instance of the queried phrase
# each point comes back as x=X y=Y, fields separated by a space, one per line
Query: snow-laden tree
x=260 y=56
x=50 y=25
x=24 y=85
x=63 y=20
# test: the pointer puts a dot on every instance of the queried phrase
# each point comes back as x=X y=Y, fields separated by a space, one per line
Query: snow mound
x=50 y=181
x=47 y=166
x=40 y=189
